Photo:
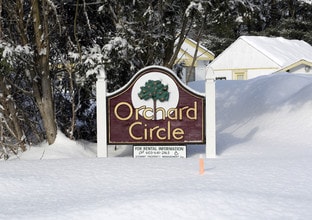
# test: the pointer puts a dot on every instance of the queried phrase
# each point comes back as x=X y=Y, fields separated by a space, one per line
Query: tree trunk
x=198 y=37
x=9 y=109
x=42 y=87
x=10 y=115
x=0 y=19
x=72 y=99
x=182 y=37
x=191 y=70
x=154 y=109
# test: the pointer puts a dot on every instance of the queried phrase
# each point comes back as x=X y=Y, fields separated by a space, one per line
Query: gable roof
x=296 y=64
x=187 y=52
x=282 y=51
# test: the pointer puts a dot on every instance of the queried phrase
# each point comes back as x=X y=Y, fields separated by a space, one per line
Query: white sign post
x=210 y=114
x=101 y=111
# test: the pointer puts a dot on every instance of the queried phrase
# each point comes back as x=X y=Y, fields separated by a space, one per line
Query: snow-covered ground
x=263 y=169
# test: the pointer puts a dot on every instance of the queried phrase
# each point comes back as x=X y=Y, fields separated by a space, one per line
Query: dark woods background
x=52 y=50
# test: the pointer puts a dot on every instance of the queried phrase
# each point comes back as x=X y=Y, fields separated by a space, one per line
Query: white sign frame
x=101 y=93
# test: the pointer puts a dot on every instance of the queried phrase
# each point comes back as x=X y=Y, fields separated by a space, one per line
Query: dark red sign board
x=155 y=107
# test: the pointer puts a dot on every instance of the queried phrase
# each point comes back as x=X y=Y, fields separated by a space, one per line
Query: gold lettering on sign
x=131 y=133
x=192 y=111
x=140 y=131
x=150 y=133
x=130 y=111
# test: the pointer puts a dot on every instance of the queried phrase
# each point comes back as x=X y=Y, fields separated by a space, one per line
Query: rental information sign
x=160 y=151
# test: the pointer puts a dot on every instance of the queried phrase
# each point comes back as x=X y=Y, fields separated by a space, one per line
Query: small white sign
x=159 y=151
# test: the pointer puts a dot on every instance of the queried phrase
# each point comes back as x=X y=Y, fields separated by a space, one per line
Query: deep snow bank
x=263 y=168
x=264 y=113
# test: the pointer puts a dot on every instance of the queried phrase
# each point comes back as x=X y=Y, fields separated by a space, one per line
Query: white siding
x=242 y=55
x=301 y=69
x=224 y=73
x=200 y=70
x=250 y=73
x=255 y=73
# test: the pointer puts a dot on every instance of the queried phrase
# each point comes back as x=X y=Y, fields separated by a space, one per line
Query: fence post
x=101 y=113
x=210 y=114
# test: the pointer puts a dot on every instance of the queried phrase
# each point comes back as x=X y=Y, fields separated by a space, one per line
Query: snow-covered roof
x=187 y=52
x=282 y=51
x=189 y=45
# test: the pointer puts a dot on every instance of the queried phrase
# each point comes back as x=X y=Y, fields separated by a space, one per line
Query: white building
x=252 y=56
x=187 y=55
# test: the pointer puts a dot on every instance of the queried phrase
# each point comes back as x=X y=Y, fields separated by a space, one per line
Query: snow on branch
x=95 y=57
x=197 y=6
x=54 y=8
x=307 y=1
x=10 y=52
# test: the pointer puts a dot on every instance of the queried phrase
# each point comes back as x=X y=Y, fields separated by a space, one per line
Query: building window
x=240 y=75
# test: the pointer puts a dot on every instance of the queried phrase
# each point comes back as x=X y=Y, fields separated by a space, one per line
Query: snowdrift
x=262 y=171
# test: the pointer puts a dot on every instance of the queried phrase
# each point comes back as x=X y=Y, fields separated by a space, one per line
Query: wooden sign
x=155 y=107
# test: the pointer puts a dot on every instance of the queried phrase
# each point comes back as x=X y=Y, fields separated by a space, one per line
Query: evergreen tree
x=154 y=90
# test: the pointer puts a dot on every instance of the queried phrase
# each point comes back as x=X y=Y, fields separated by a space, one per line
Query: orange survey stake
x=201 y=165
